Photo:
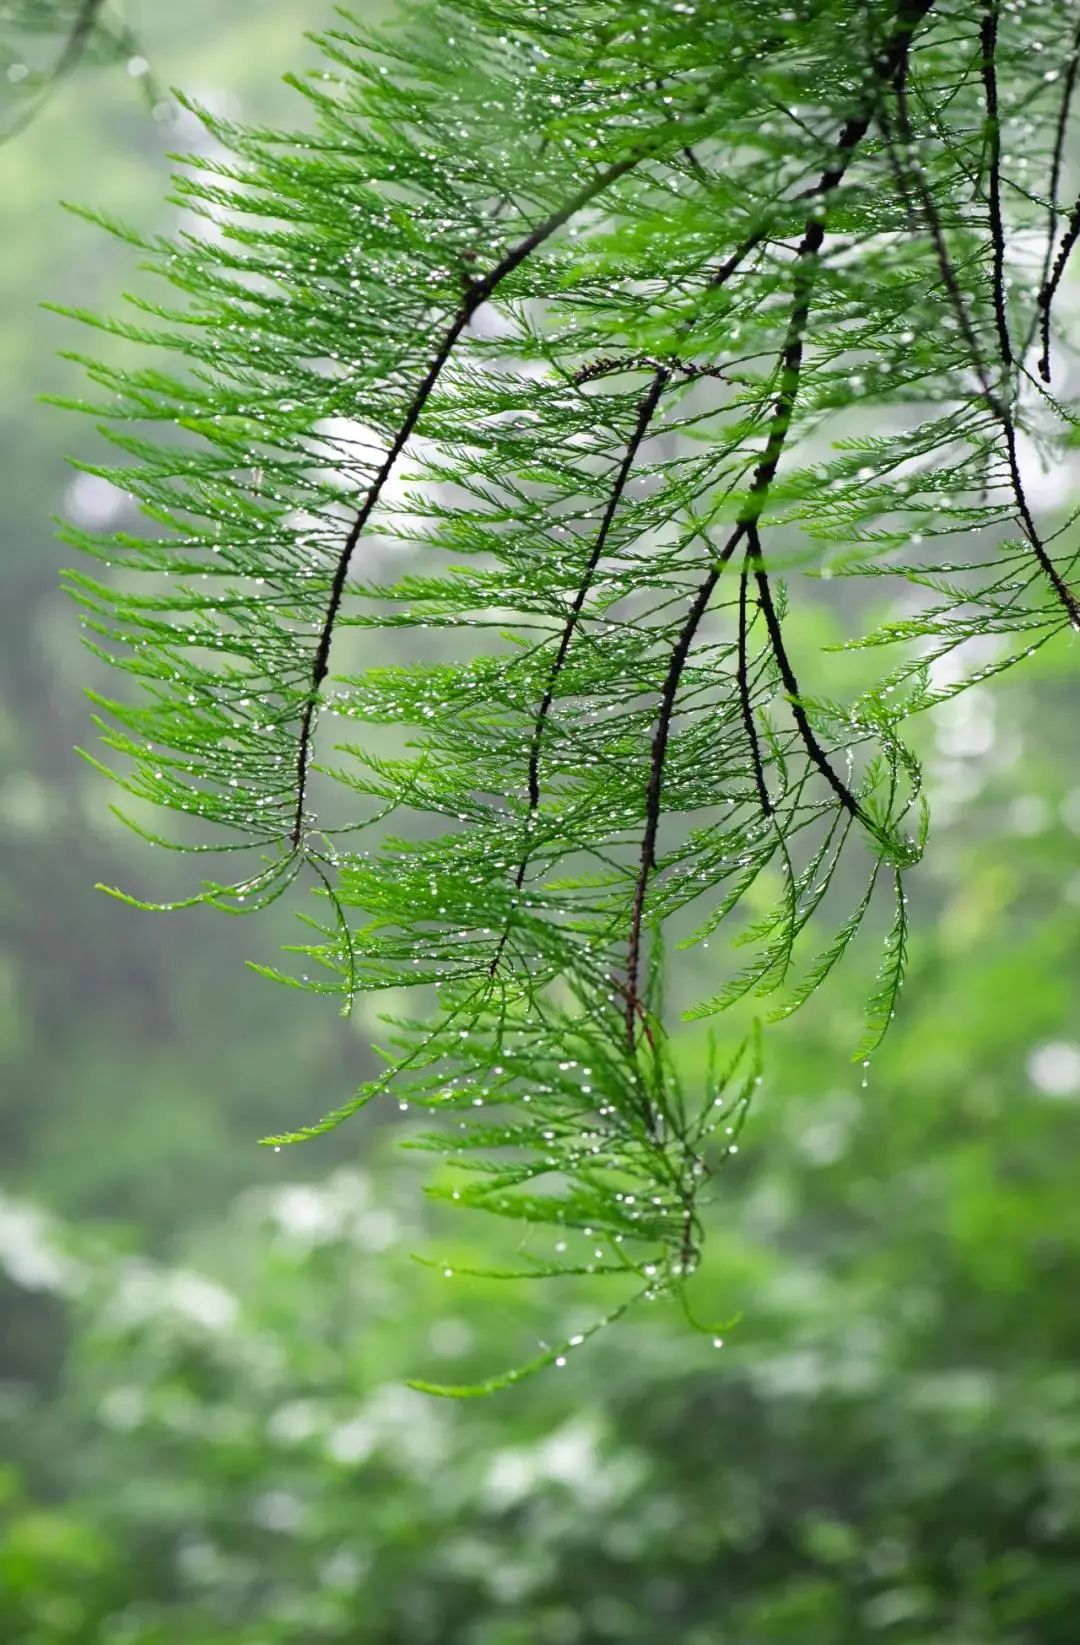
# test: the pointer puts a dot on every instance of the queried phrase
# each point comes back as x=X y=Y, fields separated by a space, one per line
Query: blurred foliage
x=44 y=41
x=203 y=1421
x=81 y=981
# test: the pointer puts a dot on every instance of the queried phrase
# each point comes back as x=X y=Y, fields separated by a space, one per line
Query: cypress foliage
x=588 y=305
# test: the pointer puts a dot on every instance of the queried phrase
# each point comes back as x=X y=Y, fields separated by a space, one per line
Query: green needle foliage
x=588 y=306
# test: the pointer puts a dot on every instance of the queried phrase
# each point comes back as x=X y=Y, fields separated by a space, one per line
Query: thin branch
x=1042 y=312
x=646 y=412
x=888 y=66
x=657 y=761
x=1049 y=290
x=743 y=677
x=78 y=39
x=610 y=364
x=988 y=37
x=787 y=675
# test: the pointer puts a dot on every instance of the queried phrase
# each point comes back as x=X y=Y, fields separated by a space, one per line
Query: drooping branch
x=912 y=182
x=636 y=717
x=890 y=64
x=813 y=747
x=657 y=760
x=646 y=411
x=852 y=134
x=745 y=702
x=1041 y=318
x=609 y=365
x=988 y=39
x=479 y=292
x=1050 y=286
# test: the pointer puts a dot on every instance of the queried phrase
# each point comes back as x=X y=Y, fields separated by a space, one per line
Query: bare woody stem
x=787 y=675
x=1040 y=320
x=1050 y=286
x=657 y=760
x=988 y=39
x=647 y=410
x=645 y=414
x=745 y=703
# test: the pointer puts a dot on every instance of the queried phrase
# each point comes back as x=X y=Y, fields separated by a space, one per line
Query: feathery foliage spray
x=576 y=336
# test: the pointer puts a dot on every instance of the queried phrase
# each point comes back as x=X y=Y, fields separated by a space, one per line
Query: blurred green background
x=204 y=1426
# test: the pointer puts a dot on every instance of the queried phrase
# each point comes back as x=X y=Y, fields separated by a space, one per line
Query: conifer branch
x=555 y=610
x=646 y=410
x=891 y=62
x=657 y=758
x=480 y=290
x=912 y=180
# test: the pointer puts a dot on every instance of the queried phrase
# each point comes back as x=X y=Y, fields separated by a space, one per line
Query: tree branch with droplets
x=888 y=64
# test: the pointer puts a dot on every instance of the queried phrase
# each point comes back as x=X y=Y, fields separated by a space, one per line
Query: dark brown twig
x=1049 y=290
x=609 y=364
x=988 y=38
x=1041 y=317
x=787 y=675
x=743 y=677
x=657 y=761
x=646 y=412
